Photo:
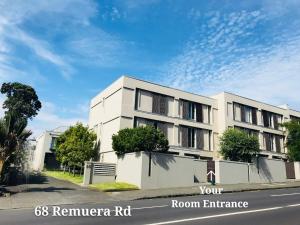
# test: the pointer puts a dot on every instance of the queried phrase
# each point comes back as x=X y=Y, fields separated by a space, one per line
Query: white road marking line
x=151 y=207
x=278 y=195
x=147 y=207
x=222 y=215
x=294 y=205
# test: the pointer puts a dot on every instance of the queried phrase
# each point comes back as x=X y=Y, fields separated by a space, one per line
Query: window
x=53 y=143
x=191 y=137
x=269 y=141
x=195 y=111
x=152 y=102
x=191 y=111
x=195 y=138
x=279 y=143
x=244 y=113
x=271 y=120
x=160 y=104
x=294 y=118
x=248 y=115
x=203 y=139
x=273 y=142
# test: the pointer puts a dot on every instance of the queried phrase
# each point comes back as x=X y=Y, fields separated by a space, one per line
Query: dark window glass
x=191 y=137
x=191 y=110
x=53 y=143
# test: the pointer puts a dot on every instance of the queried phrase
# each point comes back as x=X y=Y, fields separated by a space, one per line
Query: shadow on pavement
x=48 y=189
x=33 y=182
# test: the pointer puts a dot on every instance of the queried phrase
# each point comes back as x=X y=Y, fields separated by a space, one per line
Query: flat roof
x=177 y=89
x=259 y=101
x=226 y=92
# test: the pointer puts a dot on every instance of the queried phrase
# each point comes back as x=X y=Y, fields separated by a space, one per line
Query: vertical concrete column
x=176 y=108
x=176 y=135
x=261 y=141
x=259 y=117
x=217 y=172
x=297 y=170
x=87 y=175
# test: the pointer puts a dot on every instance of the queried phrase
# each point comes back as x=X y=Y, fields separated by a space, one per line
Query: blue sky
x=70 y=50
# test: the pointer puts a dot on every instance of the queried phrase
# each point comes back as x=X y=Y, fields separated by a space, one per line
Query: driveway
x=42 y=190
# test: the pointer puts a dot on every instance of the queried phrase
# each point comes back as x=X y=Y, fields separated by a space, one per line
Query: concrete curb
x=225 y=191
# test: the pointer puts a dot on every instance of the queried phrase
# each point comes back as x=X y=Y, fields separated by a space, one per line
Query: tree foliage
x=293 y=139
x=76 y=145
x=237 y=145
x=139 y=139
x=13 y=136
x=21 y=99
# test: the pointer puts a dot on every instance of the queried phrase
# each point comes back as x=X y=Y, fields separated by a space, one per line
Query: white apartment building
x=43 y=155
x=191 y=122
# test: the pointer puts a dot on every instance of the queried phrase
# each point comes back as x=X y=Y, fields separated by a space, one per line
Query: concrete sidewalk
x=50 y=191
x=189 y=191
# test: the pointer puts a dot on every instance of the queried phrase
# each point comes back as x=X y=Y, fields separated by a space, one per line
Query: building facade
x=192 y=123
x=43 y=155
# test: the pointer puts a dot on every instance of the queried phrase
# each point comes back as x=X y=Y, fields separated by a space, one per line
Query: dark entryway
x=290 y=170
x=210 y=167
x=50 y=161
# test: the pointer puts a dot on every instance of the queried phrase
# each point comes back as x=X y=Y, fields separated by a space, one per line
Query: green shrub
x=237 y=145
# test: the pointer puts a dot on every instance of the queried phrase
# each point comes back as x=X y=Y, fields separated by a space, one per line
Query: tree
x=21 y=99
x=293 y=139
x=139 y=139
x=237 y=145
x=76 y=145
x=13 y=136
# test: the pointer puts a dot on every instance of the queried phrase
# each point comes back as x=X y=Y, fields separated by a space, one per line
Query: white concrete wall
x=166 y=170
x=297 y=170
x=129 y=169
x=172 y=171
x=265 y=171
x=229 y=172
x=105 y=118
x=109 y=128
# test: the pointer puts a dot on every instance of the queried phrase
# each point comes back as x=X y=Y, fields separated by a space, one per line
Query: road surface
x=270 y=207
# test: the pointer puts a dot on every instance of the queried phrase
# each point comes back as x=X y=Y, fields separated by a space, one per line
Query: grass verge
x=77 y=179
x=114 y=186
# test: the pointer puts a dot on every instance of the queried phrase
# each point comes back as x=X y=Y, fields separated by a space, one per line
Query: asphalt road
x=271 y=207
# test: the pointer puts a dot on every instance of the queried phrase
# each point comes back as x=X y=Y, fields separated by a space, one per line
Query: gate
x=211 y=169
x=290 y=170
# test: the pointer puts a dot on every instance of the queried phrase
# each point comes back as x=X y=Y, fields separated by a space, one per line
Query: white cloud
x=135 y=4
x=14 y=14
x=48 y=118
x=41 y=49
x=278 y=8
x=98 y=48
x=84 y=43
x=17 y=11
x=229 y=57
